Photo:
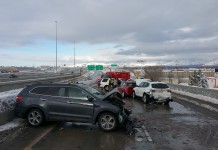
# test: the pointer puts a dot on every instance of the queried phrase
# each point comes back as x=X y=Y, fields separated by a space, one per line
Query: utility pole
x=56 y=22
x=74 y=54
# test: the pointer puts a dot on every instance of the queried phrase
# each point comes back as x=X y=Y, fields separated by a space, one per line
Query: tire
x=35 y=117
x=107 y=122
x=145 y=98
x=106 y=88
x=133 y=95
x=123 y=94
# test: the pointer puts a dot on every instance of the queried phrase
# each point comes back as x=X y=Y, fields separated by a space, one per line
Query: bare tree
x=153 y=72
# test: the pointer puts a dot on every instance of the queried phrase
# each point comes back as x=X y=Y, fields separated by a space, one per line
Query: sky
x=122 y=32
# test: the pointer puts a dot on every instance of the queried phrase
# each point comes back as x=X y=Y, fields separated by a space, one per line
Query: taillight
x=19 y=98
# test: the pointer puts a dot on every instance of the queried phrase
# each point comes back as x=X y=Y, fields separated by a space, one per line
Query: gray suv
x=70 y=102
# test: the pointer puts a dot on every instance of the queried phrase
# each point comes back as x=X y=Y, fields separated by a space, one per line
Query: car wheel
x=107 y=122
x=133 y=95
x=35 y=117
x=123 y=94
x=106 y=88
x=145 y=98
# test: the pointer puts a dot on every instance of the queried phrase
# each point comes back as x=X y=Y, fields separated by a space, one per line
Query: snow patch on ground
x=199 y=104
x=197 y=96
x=13 y=124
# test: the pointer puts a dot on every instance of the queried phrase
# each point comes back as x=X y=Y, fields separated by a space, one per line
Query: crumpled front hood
x=115 y=98
x=114 y=91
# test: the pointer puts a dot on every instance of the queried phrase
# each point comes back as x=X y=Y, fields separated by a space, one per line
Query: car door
x=140 y=89
x=121 y=87
x=52 y=100
x=78 y=107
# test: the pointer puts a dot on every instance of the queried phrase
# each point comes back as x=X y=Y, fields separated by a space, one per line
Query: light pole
x=141 y=61
x=74 y=54
x=56 y=22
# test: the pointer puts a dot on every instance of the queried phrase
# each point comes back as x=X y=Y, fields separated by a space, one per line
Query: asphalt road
x=177 y=126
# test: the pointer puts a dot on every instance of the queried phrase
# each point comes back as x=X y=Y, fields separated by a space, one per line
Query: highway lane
x=37 y=74
x=27 y=75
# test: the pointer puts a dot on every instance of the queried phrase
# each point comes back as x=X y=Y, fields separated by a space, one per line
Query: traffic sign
x=91 y=67
x=99 y=67
x=114 y=65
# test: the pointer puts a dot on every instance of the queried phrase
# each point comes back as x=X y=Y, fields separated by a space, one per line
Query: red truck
x=116 y=75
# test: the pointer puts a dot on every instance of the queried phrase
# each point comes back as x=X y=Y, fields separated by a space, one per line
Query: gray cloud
x=153 y=27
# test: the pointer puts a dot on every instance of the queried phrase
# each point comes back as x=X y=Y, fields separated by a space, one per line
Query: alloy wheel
x=107 y=122
x=35 y=117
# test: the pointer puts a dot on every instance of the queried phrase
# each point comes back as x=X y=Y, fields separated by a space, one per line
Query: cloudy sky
x=107 y=31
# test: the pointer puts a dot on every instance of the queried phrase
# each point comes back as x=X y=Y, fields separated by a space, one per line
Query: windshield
x=159 y=86
x=92 y=90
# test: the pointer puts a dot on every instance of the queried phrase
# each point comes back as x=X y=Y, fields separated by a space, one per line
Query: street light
x=141 y=61
x=74 y=54
x=56 y=22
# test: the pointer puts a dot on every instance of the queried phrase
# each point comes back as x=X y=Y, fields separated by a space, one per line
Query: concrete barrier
x=212 y=93
x=6 y=117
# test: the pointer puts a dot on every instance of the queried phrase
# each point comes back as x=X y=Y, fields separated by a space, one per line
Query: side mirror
x=91 y=99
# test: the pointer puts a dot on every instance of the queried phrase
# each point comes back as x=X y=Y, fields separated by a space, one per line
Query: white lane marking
x=147 y=135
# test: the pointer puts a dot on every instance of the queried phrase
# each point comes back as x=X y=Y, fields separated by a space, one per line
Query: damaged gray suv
x=70 y=102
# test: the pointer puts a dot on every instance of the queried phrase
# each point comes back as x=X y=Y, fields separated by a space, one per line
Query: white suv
x=105 y=84
x=153 y=91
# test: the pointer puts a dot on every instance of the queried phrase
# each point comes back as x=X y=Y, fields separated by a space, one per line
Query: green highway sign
x=114 y=65
x=99 y=67
x=91 y=67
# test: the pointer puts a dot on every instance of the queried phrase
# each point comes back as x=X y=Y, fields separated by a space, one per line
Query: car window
x=123 y=84
x=106 y=76
x=92 y=91
x=104 y=80
x=141 y=84
x=62 y=92
x=160 y=85
x=51 y=91
x=76 y=93
x=146 y=84
x=39 y=90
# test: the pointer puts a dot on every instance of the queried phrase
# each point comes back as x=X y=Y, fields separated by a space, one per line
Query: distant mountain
x=192 y=62
x=213 y=62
